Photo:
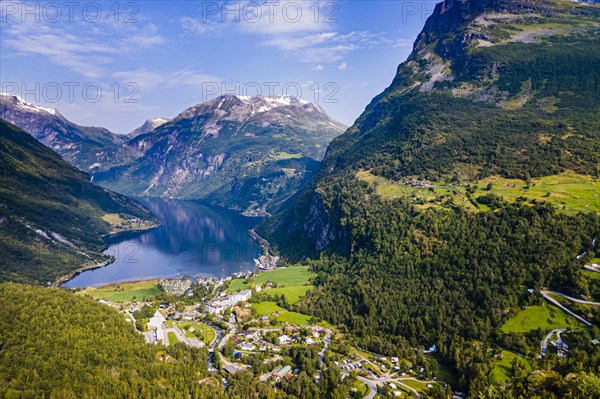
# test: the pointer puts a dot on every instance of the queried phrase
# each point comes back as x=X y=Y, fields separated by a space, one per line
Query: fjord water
x=193 y=239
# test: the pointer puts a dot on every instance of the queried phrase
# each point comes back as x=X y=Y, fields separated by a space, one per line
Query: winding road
x=548 y=336
x=371 y=385
x=546 y=295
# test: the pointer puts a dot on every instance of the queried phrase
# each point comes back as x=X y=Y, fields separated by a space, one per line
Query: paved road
x=548 y=336
x=573 y=299
x=592 y=268
x=372 y=387
x=565 y=309
x=327 y=340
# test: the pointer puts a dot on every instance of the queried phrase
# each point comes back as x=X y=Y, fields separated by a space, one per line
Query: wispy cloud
x=80 y=46
x=306 y=30
x=148 y=80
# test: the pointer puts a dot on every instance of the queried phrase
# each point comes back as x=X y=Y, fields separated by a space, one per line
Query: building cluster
x=252 y=340
x=266 y=262
x=219 y=305
x=177 y=287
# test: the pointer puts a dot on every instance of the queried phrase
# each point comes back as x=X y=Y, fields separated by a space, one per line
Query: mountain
x=245 y=153
x=473 y=176
x=491 y=89
x=52 y=219
x=147 y=127
x=83 y=146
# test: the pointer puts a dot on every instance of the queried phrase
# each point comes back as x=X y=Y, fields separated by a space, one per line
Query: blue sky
x=117 y=64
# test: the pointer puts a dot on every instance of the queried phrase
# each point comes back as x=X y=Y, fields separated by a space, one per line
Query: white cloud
x=199 y=27
x=318 y=68
x=148 y=80
x=86 y=48
x=286 y=16
x=293 y=43
x=343 y=66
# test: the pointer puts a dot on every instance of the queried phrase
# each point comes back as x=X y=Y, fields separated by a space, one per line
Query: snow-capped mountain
x=82 y=146
x=241 y=152
x=147 y=127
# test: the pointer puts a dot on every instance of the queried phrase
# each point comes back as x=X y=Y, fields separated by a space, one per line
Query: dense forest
x=473 y=100
x=58 y=344
x=50 y=214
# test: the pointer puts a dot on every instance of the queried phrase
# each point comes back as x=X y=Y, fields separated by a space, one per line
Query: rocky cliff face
x=246 y=153
x=85 y=147
x=491 y=87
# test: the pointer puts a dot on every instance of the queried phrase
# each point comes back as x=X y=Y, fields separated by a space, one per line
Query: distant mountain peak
x=148 y=126
x=26 y=106
x=83 y=146
x=269 y=109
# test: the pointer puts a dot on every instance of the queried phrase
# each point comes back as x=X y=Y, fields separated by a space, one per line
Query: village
x=245 y=322
x=248 y=322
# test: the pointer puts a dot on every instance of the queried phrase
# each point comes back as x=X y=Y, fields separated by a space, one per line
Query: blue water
x=193 y=239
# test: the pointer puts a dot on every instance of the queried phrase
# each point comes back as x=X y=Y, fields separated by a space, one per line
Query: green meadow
x=125 y=292
x=546 y=317
x=502 y=371
x=569 y=192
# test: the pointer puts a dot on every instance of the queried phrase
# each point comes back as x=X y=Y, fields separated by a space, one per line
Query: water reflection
x=193 y=239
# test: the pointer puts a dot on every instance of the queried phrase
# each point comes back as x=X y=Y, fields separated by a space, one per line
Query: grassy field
x=502 y=371
x=591 y=275
x=265 y=308
x=125 y=292
x=418 y=385
x=172 y=338
x=361 y=387
x=294 y=318
x=546 y=317
x=117 y=223
x=296 y=280
x=425 y=197
x=200 y=331
x=569 y=191
x=293 y=293
x=287 y=276
x=237 y=285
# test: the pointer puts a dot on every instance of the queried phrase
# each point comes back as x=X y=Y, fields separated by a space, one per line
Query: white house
x=247 y=346
x=243 y=295
x=284 y=340
x=156 y=324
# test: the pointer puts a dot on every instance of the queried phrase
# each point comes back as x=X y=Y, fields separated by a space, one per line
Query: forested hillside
x=55 y=344
x=51 y=216
x=415 y=244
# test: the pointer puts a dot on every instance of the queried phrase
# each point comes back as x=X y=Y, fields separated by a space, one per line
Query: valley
x=443 y=246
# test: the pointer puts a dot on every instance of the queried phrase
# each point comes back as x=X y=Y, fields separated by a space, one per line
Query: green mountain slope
x=415 y=243
x=78 y=348
x=50 y=214
x=493 y=89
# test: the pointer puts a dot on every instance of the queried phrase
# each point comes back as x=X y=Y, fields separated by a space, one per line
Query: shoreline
x=117 y=234
x=263 y=243
x=110 y=236
x=70 y=276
